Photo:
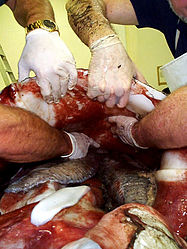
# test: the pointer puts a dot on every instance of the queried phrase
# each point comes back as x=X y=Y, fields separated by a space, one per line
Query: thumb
x=139 y=76
x=94 y=143
x=23 y=72
x=112 y=119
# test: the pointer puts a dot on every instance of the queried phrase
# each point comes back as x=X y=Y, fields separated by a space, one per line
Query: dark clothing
x=2 y=2
x=157 y=14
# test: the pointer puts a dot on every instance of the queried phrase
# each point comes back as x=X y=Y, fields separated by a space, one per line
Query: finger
x=93 y=92
x=123 y=100
x=102 y=86
x=45 y=88
x=72 y=75
x=64 y=86
x=112 y=119
x=139 y=76
x=120 y=84
x=23 y=73
x=119 y=91
x=55 y=87
x=111 y=101
x=55 y=83
x=94 y=143
x=94 y=79
x=64 y=79
x=101 y=99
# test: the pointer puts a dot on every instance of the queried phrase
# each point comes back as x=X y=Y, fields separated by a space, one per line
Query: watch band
x=47 y=25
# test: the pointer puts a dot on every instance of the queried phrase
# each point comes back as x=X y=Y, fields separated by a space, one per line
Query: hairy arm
x=166 y=126
x=26 y=138
x=29 y=11
x=90 y=19
x=87 y=19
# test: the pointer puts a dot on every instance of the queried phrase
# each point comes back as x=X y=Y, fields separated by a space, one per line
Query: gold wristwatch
x=47 y=25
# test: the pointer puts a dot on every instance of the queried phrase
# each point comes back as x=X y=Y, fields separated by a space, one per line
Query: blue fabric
x=2 y=2
x=157 y=14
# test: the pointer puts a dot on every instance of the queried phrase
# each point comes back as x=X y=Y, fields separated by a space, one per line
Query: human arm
x=111 y=70
x=165 y=127
x=27 y=138
x=27 y=12
x=45 y=53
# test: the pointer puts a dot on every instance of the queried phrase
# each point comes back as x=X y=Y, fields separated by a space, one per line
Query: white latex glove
x=49 y=58
x=80 y=143
x=110 y=72
x=124 y=129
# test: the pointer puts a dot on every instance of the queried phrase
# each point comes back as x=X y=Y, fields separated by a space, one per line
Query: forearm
x=26 y=138
x=26 y=12
x=166 y=126
x=87 y=19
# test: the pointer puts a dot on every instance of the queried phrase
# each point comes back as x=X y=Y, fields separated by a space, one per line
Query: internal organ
x=56 y=170
x=134 y=226
x=128 y=226
x=32 y=184
x=126 y=181
x=17 y=231
x=171 y=199
x=76 y=112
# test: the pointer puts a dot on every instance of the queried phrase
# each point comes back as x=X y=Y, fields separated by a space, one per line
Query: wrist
x=42 y=32
x=73 y=144
x=105 y=41
x=136 y=136
x=47 y=25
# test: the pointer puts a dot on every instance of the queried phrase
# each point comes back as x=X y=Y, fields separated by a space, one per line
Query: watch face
x=49 y=24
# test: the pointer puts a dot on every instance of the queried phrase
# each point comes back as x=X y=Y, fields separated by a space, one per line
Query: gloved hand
x=124 y=129
x=110 y=72
x=80 y=144
x=48 y=57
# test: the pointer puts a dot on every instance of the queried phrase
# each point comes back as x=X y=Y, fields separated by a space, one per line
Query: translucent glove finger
x=111 y=101
x=94 y=143
x=87 y=141
x=124 y=129
x=102 y=85
x=114 y=83
x=93 y=87
x=81 y=143
x=139 y=76
x=94 y=92
x=121 y=121
x=123 y=100
x=113 y=119
x=101 y=99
